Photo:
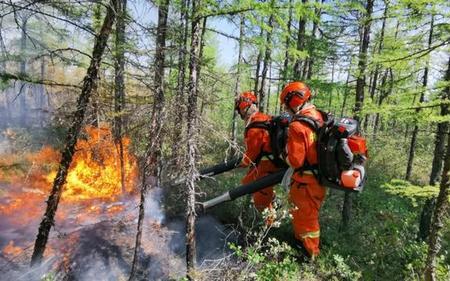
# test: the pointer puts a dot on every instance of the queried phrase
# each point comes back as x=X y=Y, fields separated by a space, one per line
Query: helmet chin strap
x=301 y=107
x=246 y=112
x=244 y=115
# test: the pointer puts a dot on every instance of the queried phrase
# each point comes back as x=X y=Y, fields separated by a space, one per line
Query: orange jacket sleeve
x=253 y=143
x=296 y=145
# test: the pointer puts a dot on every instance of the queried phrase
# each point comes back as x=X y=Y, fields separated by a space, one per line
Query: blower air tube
x=214 y=170
x=221 y=168
x=245 y=189
x=257 y=185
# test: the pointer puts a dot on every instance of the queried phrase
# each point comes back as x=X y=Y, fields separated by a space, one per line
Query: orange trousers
x=307 y=196
x=263 y=198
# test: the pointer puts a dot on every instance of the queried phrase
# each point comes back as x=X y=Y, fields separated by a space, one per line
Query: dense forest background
x=152 y=84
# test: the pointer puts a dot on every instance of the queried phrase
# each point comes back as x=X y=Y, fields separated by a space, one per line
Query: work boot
x=302 y=254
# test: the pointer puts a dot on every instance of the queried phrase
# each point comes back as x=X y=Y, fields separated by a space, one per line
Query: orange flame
x=95 y=173
x=11 y=250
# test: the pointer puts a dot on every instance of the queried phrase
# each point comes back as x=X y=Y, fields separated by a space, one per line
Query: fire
x=95 y=174
x=92 y=189
x=11 y=250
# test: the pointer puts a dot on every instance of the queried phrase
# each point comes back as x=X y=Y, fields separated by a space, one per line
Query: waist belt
x=267 y=158
x=309 y=172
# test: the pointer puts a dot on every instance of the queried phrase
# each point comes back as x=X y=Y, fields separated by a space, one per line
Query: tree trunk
x=277 y=109
x=439 y=150
x=441 y=133
x=330 y=98
x=153 y=152
x=316 y=22
x=181 y=84
x=6 y=91
x=383 y=95
x=360 y=83
x=41 y=100
x=119 y=87
x=69 y=149
x=238 y=79
x=287 y=44
x=412 y=147
x=347 y=81
x=300 y=45
x=200 y=52
x=192 y=173
x=266 y=63
x=425 y=219
x=362 y=60
x=440 y=212
x=258 y=64
x=269 y=88
x=22 y=92
x=374 y=80
x=199 y=68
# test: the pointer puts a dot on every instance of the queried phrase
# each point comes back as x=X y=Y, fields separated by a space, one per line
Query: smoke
x=100 y=245
x=153 y=207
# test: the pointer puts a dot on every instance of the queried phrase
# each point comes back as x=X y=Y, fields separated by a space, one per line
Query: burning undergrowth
x=94 y=232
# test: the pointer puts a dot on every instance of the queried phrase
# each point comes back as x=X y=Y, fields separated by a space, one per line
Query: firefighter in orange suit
x=258 y=149
x=305 y=193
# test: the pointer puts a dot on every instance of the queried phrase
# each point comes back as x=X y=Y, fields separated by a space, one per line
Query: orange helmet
x=246 y=99
x=295 y=94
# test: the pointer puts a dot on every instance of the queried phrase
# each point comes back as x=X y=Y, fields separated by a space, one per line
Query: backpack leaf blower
x=242 y=190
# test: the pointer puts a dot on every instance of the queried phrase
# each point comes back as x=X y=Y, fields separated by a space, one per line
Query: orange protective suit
x=305 y=193
x=257 y=141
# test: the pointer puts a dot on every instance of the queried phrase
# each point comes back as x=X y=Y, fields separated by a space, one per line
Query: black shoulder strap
x=311 y=122
x=266 y=125
x=258 y=124
x=315 y=125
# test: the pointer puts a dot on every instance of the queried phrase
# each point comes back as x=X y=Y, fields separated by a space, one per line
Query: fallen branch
x=4 y=76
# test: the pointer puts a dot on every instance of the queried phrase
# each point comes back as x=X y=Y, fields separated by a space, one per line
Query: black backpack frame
x=277 y=128
x=326 y=171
